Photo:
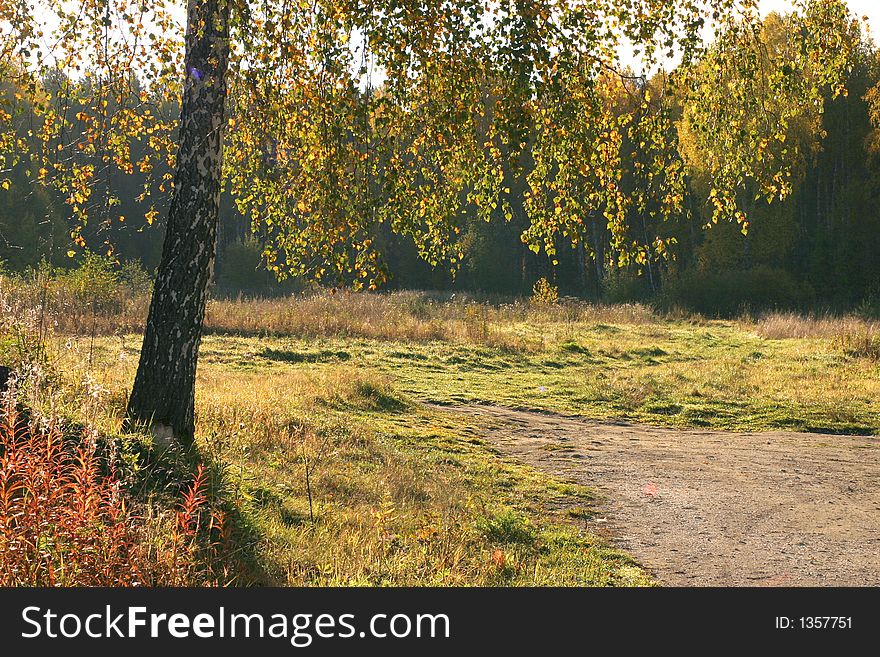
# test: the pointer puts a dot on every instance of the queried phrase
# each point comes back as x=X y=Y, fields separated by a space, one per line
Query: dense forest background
x=818 y=249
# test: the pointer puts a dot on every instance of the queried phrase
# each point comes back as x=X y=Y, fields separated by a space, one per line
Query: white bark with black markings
x=163 y=396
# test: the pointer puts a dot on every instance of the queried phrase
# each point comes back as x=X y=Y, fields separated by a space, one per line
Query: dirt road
x=708 y=508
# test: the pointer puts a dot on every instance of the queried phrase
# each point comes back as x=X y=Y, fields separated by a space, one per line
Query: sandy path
x=709 y=508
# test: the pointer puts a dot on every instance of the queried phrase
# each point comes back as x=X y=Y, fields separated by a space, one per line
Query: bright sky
x=869 y=8
x=866 y=8
x=860 y=8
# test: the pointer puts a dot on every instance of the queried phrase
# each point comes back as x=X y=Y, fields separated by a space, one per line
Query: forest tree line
x=817 y=248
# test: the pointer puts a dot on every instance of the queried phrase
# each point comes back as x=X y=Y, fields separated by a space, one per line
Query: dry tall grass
x=855 y=336
x=71 y=307
x=783 y=326
x=407 y=316
x=67 y=309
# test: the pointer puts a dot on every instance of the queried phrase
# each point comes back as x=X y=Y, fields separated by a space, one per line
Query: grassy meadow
x=311 y=421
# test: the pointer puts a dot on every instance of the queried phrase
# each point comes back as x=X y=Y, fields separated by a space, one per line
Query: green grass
x=673 y=374
x=406 y=494
x=402 y=494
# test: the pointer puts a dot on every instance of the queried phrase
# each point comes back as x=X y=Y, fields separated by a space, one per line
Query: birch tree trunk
x=163 y=396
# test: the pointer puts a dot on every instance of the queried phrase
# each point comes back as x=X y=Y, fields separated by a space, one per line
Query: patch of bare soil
x=715 y=508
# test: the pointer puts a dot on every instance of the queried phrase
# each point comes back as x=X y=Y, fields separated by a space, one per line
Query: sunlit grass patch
x=317 y=438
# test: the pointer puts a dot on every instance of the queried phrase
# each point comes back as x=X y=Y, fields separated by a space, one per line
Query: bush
x=544 y=293
x=94 y=283
x=97 y=297
x=732 y=292
x=65 y=519
x=61 y=522
x=135 y=278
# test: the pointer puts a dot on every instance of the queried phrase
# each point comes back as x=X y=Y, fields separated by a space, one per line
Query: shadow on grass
x=322 y=356
x=161 y=475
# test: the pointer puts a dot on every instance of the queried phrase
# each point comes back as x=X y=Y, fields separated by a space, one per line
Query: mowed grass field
x=311 y=408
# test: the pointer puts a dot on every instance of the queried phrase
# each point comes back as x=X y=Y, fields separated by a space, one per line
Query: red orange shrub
x=65 y=519
x=61 y=521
